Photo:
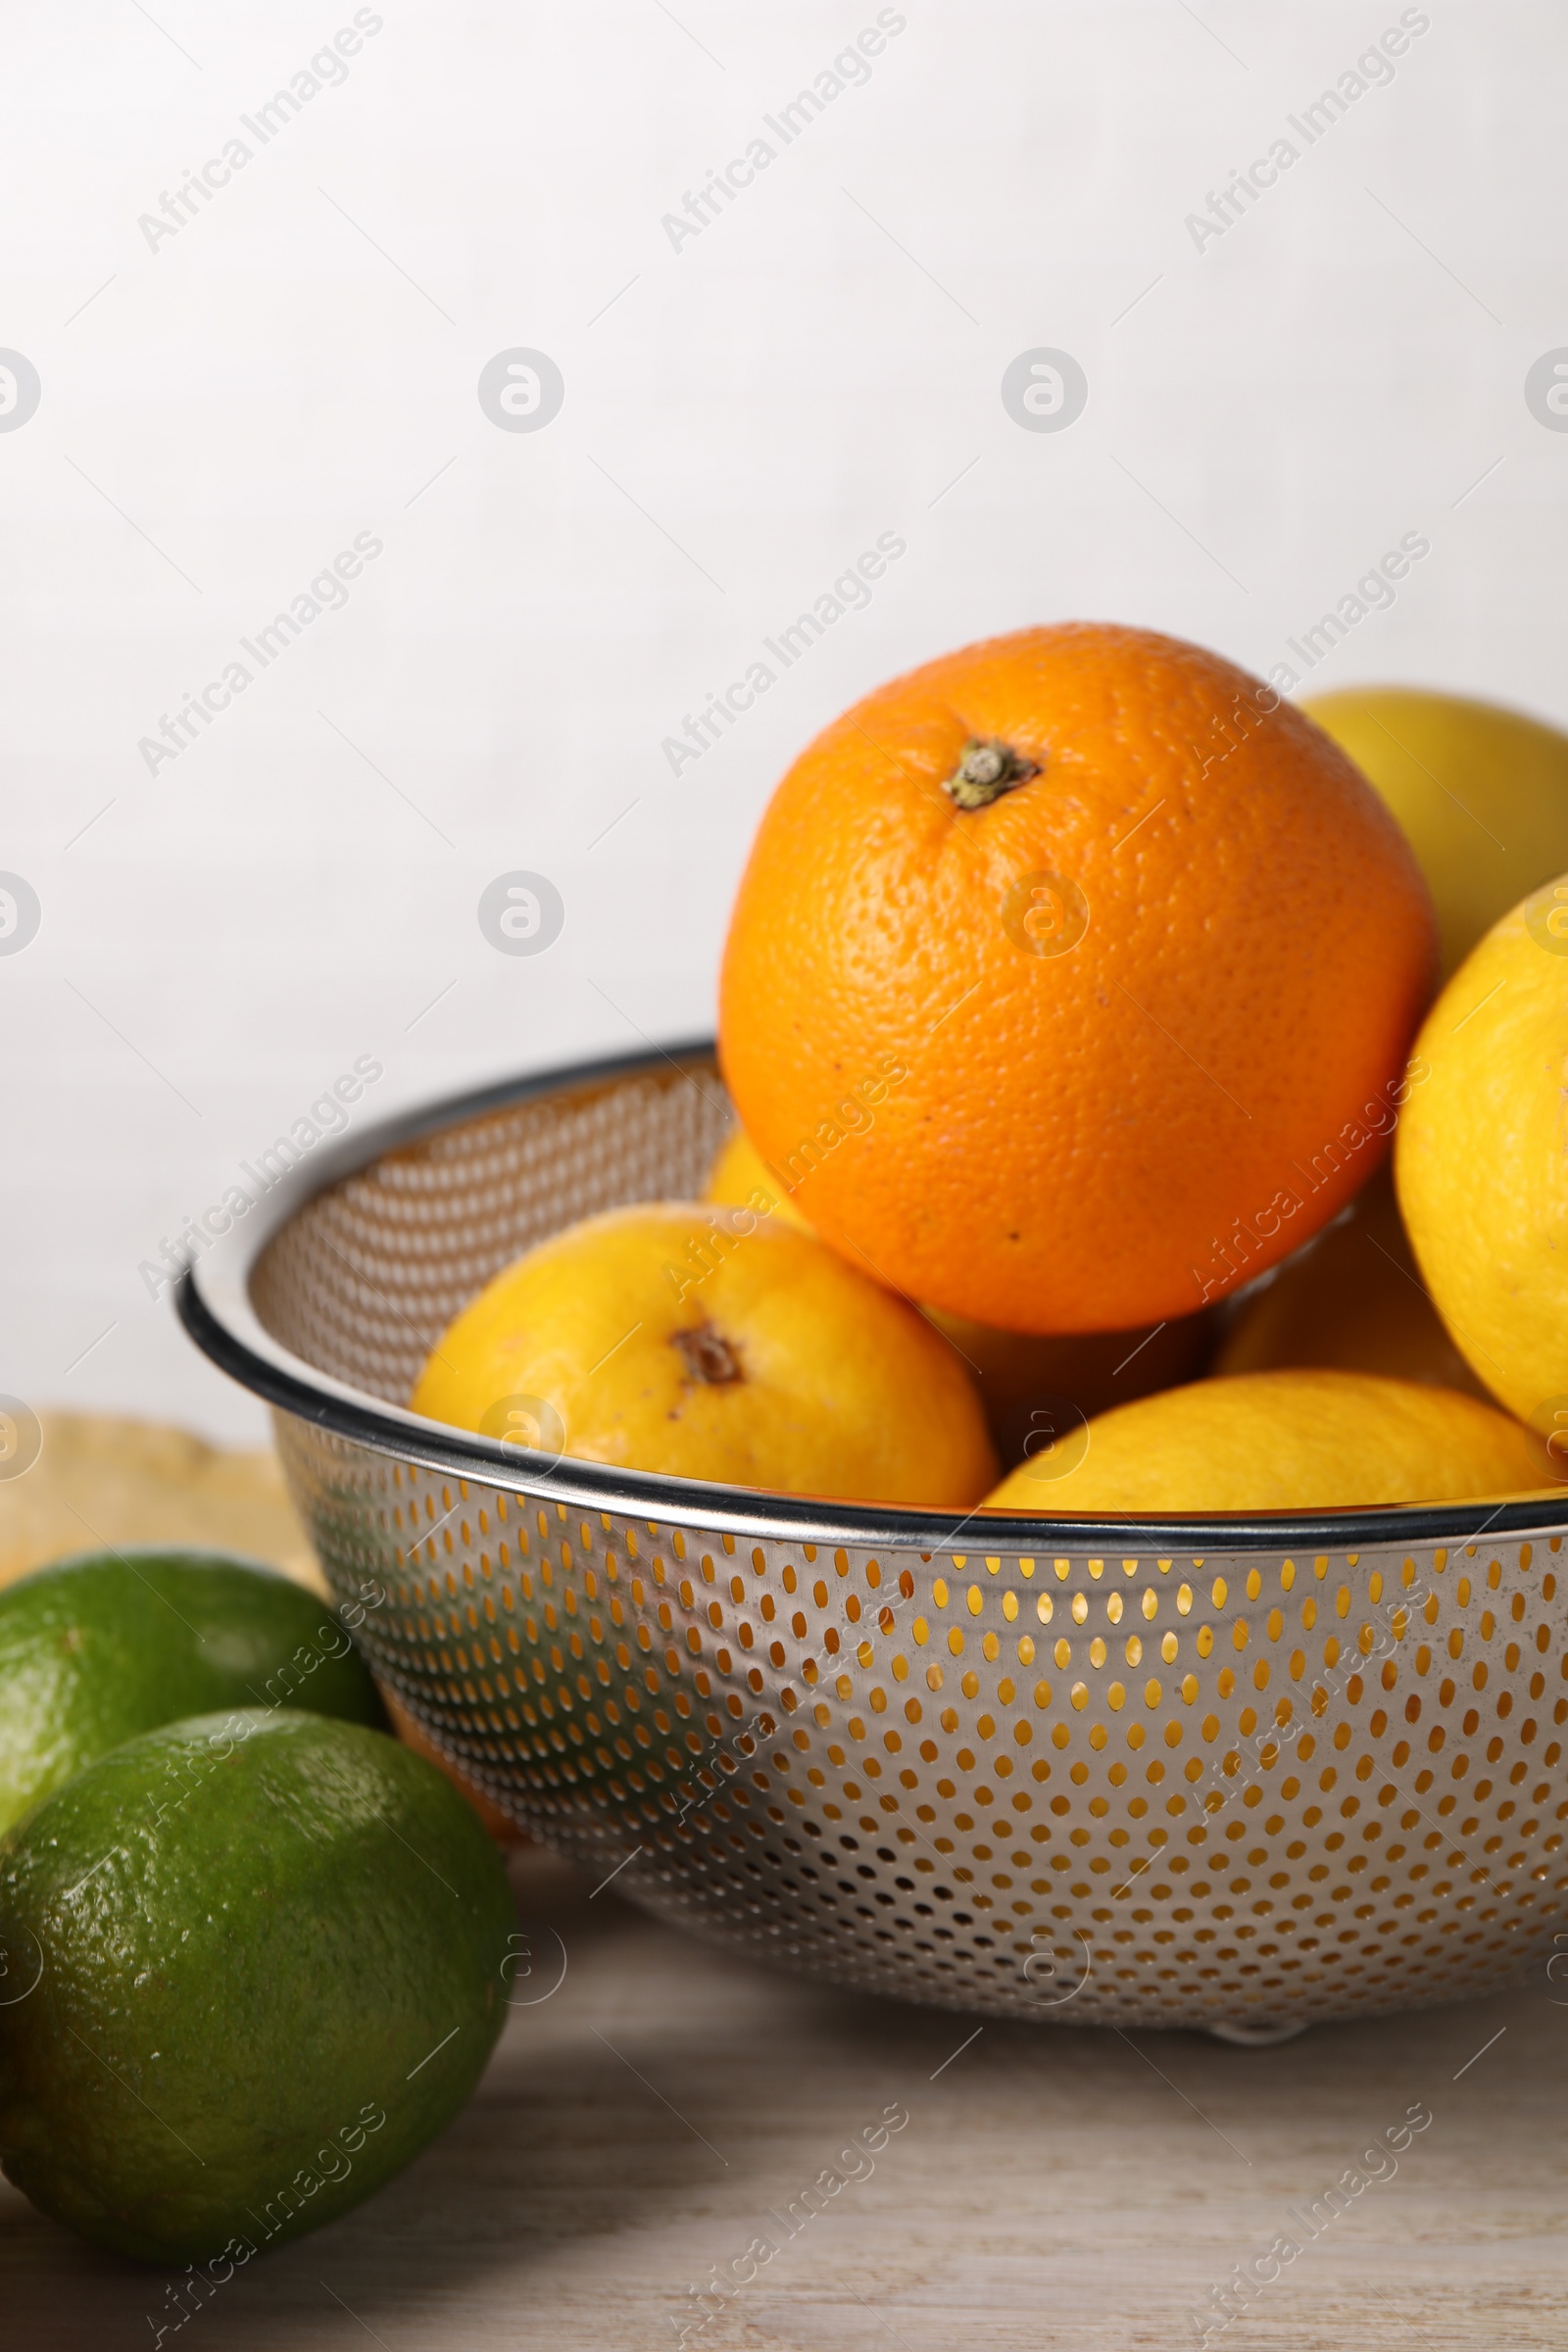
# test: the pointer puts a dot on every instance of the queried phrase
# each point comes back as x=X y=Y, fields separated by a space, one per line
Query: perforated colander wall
x=364 y=1280
x=1136 y=1788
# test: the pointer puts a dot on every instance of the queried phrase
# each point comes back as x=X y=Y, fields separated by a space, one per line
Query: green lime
x=96 y=1650
x=249 y=1966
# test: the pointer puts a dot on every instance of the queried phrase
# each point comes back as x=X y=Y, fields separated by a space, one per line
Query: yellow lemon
x=1480 y=1160
x=1280 y=1442
x=713 y=1344
x=1482 y=794
x=743 y=1178
x=1353 y=1300
x=1022 y=1378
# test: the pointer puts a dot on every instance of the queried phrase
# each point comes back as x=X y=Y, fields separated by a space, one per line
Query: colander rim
x=212 y=1299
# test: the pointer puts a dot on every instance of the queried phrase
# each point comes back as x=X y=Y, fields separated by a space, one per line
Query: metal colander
x=1241 y=1774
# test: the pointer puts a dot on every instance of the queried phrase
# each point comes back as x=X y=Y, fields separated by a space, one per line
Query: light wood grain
x=101 y=1482
x=1053 y=2187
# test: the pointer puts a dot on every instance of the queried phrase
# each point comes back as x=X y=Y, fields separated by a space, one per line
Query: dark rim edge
x=738 y=1510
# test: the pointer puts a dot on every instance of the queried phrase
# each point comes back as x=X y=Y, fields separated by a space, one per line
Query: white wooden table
x=1052 y=2188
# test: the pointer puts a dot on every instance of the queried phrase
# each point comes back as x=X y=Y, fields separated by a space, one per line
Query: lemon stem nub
x=987 y=770
x=709 y=1358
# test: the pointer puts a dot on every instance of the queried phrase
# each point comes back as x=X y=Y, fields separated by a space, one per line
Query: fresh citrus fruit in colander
x=1070 y=965
x=1022 y=1376
x=1481 y=1164
x=1299 y=1440
x=716 y=1344
x=1482 y=793
x=1353 y=1300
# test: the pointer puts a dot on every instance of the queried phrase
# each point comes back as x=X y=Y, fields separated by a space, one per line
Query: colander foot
x=1259 y=2037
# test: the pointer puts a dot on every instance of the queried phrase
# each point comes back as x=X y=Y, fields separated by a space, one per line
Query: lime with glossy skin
x=97 y=1649
x=250 y=1965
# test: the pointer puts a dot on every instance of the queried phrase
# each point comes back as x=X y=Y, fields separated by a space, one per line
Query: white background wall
x=221 y=413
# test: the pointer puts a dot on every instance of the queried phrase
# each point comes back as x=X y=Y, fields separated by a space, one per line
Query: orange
x=713 y=1344
x=1078 y=970
x=1023 y=1378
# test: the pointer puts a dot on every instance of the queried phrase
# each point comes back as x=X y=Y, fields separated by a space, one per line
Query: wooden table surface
x=667 y=2105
